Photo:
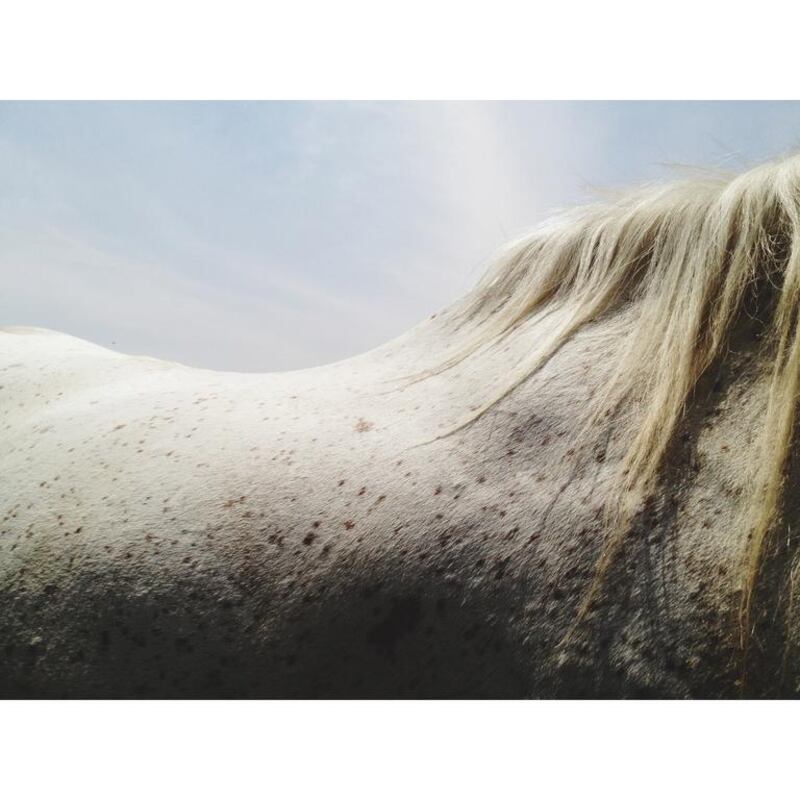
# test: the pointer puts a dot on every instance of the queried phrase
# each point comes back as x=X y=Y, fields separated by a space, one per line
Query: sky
x=261 y=236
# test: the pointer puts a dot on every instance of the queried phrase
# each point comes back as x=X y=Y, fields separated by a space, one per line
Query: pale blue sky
x=261 y=236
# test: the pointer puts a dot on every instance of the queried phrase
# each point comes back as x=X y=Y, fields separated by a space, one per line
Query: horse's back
x=170 y=532
x=174 y=532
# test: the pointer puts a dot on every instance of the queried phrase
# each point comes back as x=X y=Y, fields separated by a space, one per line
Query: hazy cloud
x=258 y=236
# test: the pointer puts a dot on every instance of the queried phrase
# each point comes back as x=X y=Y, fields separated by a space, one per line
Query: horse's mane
x=685 y=262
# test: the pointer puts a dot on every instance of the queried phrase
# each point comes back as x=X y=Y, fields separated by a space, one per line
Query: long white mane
x=682 y=265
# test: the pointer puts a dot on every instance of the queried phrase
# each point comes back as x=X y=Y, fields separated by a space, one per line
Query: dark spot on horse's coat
x=349 y=524
x=472 y=631
x=403 y=618
x=371 y=590
x=309 y=538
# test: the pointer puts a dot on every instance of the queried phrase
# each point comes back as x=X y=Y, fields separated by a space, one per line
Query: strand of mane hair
x=679 y=261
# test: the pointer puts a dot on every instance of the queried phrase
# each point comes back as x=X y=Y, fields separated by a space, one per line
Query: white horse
x=577 y=481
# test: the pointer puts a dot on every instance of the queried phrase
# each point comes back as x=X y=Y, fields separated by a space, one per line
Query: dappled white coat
x=170 y=531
